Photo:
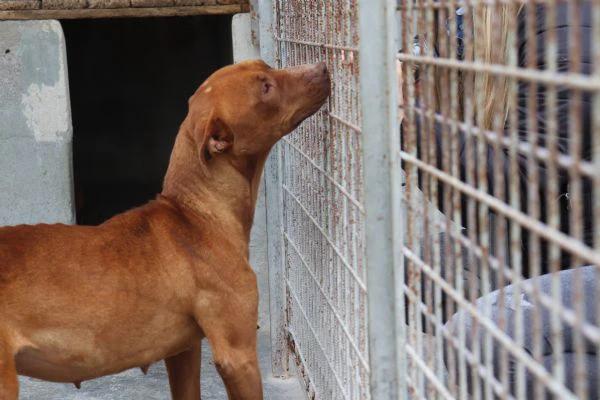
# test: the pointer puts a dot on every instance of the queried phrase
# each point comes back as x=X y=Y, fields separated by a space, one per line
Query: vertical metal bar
x=407 y=333
x=533 y=197
x=274 y=201
x=411 y=142
x=516 y=233
x=468 y=115
x=596 y=160
x=416 y=276
x=470 y=179
x=553 y=213
x=576 y=201
x=456 y=216
x=449 y=108
x=483 y=216
x=498 y=240
x=381 y=189
x=429 y=185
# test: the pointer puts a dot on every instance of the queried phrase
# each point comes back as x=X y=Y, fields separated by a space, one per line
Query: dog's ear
x=218 y=137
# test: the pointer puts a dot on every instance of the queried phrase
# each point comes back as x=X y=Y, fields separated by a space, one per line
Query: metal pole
x=381 y=189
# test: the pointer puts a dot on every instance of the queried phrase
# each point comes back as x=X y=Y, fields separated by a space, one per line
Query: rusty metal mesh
x=501 y=155
x=323 y=211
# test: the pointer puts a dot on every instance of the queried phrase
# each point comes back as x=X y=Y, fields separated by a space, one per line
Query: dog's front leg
x=184 y=373
x=229 y=324
x=238 y=367
x=233 y=345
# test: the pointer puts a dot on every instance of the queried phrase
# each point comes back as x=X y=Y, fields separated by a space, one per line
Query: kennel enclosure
x=447 y=248
x=435 y=236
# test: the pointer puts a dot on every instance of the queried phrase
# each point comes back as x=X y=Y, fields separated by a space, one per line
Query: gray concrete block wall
x=36 y=178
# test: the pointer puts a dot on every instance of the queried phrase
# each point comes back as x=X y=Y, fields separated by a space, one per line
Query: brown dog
x=81 y=302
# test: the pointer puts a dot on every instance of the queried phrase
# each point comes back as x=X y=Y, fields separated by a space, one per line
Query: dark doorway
x=130 y=80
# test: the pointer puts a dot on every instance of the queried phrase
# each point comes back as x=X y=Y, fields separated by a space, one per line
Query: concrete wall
x=35 y=125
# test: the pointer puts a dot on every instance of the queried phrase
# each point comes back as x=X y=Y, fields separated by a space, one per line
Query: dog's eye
x=266 y=84
x=266 y=87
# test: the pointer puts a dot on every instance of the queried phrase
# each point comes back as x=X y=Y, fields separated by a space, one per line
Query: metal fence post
x=378 y=89
x=274 y=201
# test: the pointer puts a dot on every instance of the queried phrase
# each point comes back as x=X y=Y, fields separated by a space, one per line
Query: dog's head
x=244 y=109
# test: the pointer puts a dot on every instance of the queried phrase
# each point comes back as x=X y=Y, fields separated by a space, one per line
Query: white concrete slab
x=35 y=124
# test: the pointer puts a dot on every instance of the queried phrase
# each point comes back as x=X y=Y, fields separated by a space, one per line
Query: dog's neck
x=217 y=188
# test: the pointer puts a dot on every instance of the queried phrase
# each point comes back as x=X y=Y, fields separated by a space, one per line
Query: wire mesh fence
x=500 y=134
x=495 y=221
x=323 y=213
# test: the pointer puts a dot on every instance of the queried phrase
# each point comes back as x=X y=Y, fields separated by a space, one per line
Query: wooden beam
x=130 y=12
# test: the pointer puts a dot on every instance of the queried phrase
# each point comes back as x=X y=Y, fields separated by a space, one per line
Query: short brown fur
x=81 y=302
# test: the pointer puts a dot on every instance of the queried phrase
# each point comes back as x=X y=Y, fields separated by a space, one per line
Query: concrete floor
x=133 y=385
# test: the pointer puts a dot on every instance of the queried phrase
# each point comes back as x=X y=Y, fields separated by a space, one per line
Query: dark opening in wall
x=130 y=80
